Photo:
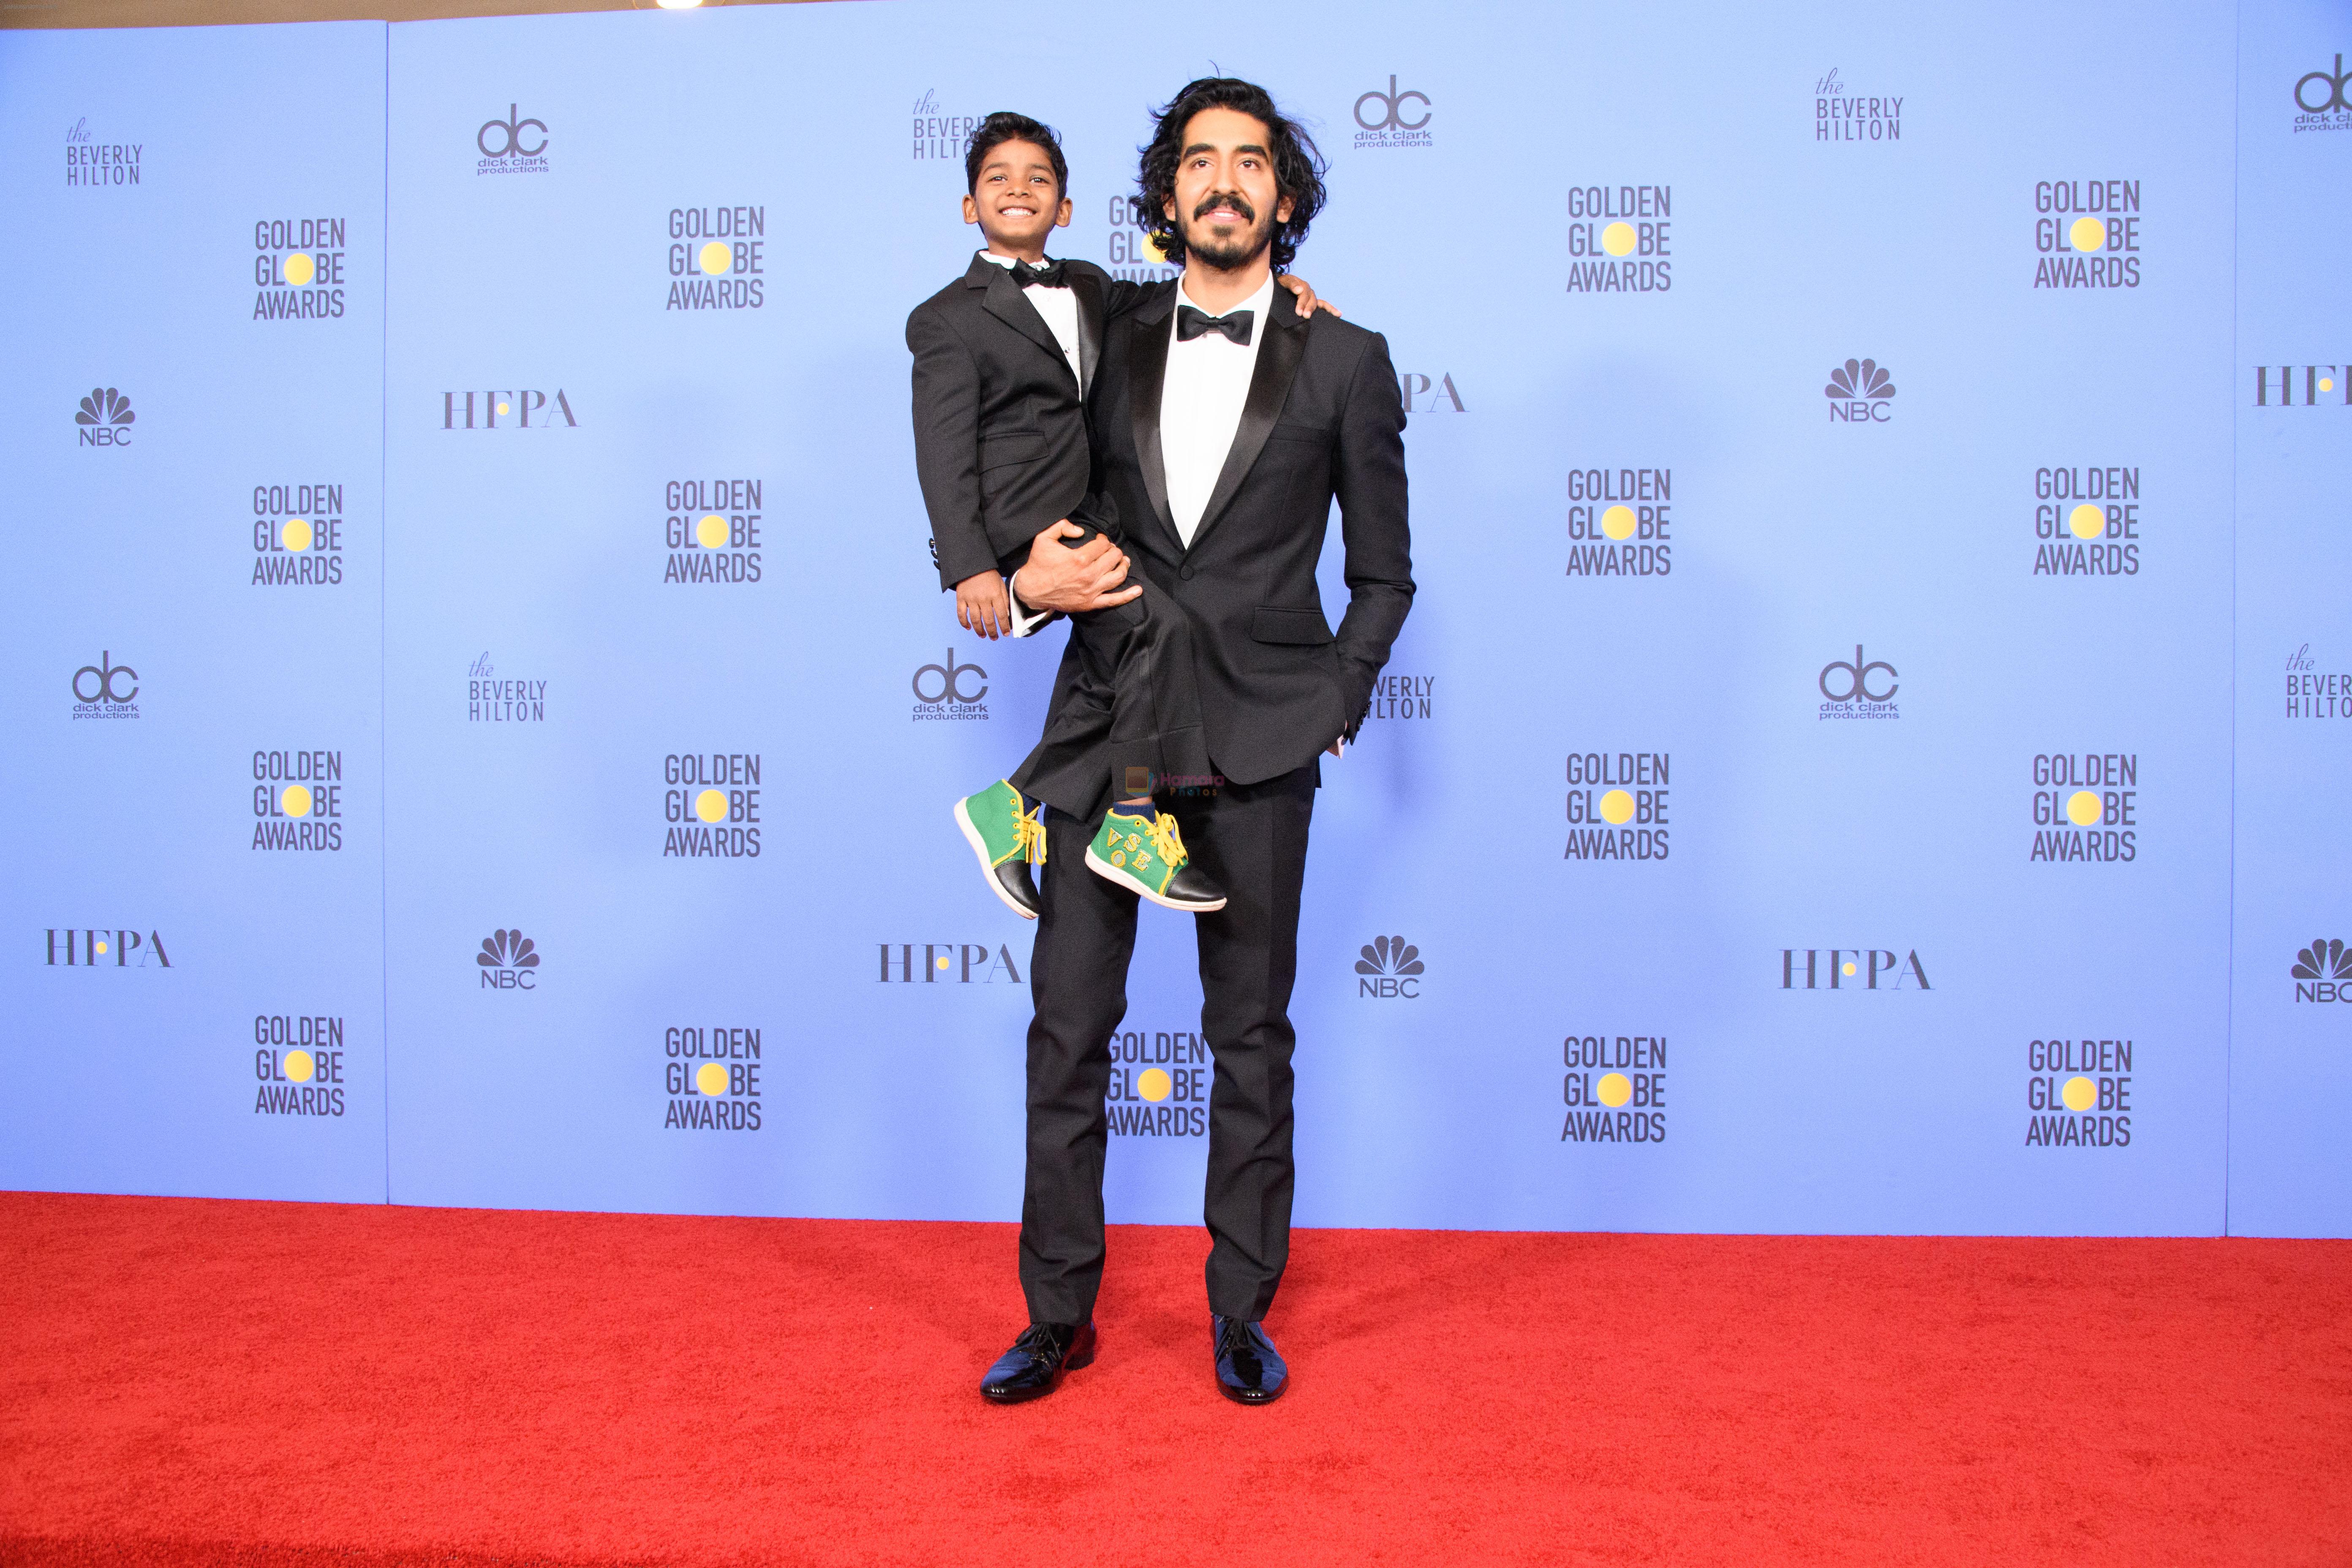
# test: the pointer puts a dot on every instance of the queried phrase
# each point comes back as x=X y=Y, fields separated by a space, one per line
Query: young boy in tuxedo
x=1003 y=358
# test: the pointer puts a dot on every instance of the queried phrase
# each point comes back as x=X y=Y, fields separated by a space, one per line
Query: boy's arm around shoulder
x=947 y=443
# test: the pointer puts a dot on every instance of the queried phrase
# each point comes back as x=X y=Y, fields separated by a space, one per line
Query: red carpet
x=297 y=1385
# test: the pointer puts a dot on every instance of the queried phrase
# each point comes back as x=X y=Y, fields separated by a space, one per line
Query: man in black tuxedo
x=1001 y=359
x=1224 y=425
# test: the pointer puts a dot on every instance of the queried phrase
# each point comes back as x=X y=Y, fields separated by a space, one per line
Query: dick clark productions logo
x=513 y=145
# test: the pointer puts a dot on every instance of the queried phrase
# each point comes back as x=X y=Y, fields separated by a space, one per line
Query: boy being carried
x=1004 y=357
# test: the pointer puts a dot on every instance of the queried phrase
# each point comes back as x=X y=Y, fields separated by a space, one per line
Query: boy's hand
x=982 y=606
x=1306 y=302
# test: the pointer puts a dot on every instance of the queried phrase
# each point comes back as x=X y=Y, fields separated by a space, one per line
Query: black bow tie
x=1048 y=276
x=1191 y=324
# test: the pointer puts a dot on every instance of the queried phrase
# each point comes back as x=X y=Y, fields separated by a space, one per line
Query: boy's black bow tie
x=1235 y=324
x=1048 y=276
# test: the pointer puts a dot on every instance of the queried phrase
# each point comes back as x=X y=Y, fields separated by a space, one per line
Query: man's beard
x=1233 y=254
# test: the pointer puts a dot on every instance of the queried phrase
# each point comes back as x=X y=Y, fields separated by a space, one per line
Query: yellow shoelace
x=1030 y=829
x=1161 y=831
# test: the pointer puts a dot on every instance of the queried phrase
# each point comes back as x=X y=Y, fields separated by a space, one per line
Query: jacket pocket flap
x=1289 y=432
x=1020 y=446
x=1303 y=627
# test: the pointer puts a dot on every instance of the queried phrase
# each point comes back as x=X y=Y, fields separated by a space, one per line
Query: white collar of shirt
x=1058 y=306
x=1200 y=399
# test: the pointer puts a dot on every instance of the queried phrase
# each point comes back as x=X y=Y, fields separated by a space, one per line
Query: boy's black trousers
x=1125 y=714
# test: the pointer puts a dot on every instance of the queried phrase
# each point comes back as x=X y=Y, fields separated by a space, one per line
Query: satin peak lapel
x=1270 y=379
x=1003 y=301
x=1091 y=327
x=1146 y=371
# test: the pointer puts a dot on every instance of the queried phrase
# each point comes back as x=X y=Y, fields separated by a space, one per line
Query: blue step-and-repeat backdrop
x=1867 y=755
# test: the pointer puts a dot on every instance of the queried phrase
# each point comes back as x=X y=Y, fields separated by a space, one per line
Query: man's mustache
x=1232 y=199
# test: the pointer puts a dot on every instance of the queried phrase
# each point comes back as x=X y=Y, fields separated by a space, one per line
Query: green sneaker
x=1146 y=855
x=1008 y=840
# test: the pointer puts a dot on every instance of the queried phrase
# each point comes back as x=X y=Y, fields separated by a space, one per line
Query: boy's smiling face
x=1017 y=202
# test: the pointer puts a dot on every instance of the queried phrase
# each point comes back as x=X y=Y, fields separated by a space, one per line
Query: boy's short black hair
x=1006 y=126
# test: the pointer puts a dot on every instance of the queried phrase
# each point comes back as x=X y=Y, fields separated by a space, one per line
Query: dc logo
x=1392 y=104
x=1857 y=679
x=950 y=681
x=103 y=672
x=2334 y=85
x=510 y=131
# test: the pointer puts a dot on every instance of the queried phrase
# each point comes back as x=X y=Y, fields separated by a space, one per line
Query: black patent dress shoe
x=1033 y=1368
x=1250 y=1371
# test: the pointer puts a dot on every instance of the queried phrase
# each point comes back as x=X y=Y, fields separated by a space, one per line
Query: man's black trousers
x=1253 y=839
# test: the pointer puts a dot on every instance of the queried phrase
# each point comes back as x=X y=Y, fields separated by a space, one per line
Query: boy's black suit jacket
x=1324 y=418
x=999 y=425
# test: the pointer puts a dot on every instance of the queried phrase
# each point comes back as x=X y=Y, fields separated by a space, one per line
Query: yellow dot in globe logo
x=295 y=800
x=1616 y=807
x=711 y=805
x=2083 y=807
x=295 y=534
x=301 y=269
x=715 y=257
x=710 y=1078
x=1617 y=522
x=1153 y=1084
x=503 y=408
x=1847 y=967
x=711 y=531
x=2080 y=1094
x=2086 y=521
x=300 y=1067
x=101 y=946
x=2088 y=234
x=1615 y=1089
x=1617 y=239
x=2326 y=383
x=943 y=963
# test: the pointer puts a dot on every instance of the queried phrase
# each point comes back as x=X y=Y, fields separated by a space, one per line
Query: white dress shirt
x=1200 y=400
x=1060 y=309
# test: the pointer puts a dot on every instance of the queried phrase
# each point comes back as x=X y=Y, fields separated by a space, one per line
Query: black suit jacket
x=1324 y=418
x=999 y=426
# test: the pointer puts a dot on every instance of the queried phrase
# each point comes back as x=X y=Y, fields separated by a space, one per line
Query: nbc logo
x=2319 y=970
x=1858 y=391
x=105 y=419
x=509 y=962
x=1390 y=966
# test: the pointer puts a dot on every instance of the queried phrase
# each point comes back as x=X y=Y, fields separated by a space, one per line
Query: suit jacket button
x=1185 y=571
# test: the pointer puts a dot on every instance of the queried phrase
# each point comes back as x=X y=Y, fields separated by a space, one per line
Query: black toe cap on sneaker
x=1191 y=888
x=1019 y=889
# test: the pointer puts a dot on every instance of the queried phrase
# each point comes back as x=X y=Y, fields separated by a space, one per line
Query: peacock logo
x=508 y=959
x=1390 y=966
x=105 y=419
x=2318 y=968
x=1858 y=391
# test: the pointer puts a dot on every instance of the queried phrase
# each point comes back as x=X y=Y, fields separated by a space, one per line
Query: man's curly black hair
x=1297 y=166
